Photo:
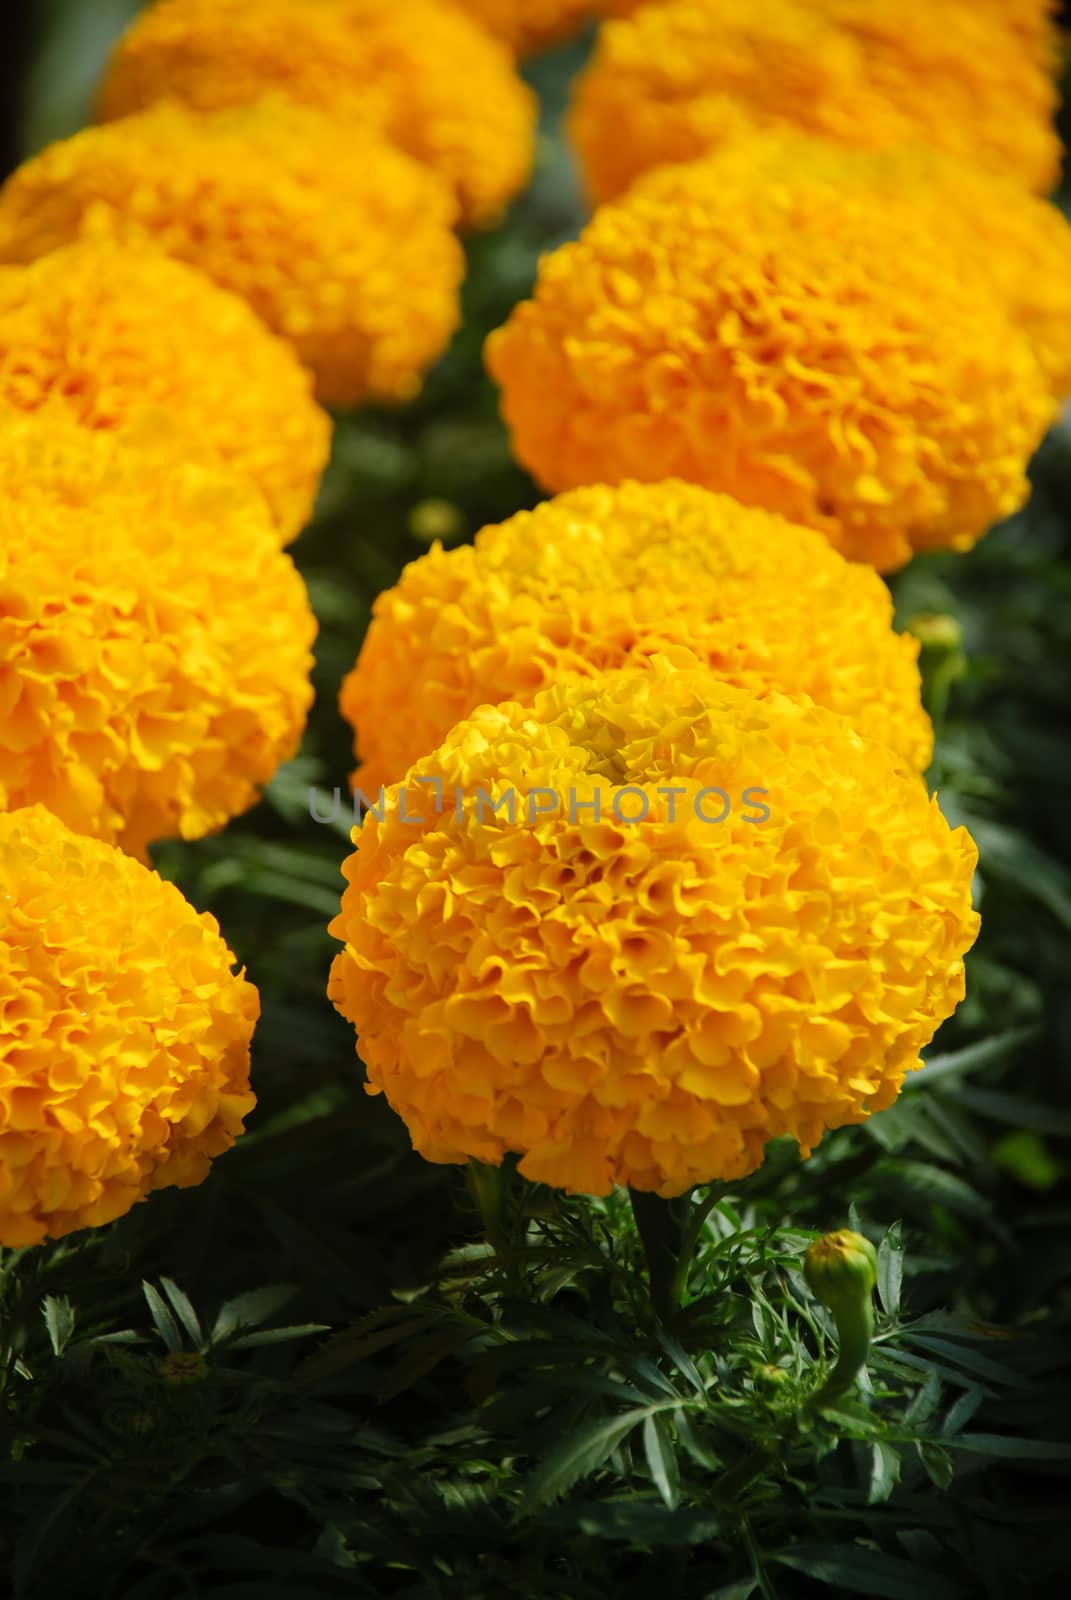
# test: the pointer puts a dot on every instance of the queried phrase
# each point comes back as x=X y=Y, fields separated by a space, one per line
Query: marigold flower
x=353 y=262
x=105 y=332
x=648 y=1001
x=608 y=577
x=529 y=25
x=155 y=642
x=675 y=80
x=804 y=346
x=124 y=1046
x=429 y=77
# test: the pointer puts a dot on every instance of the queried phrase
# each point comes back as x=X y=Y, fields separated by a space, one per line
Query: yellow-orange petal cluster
x=155 y=642
x=428 y=77
x=675 y=80
x=804 y=346
x=124 y=1033
x=609 y=577
x=648 y=1001
x=104 y=332
x=342 y=244
x=528 y=25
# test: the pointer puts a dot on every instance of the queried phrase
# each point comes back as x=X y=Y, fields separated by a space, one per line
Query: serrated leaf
x=662 y=1459
x=891 y=1269
x=937 y=1463
x=884 y=1473
x=184 y=1311
x=866 y=1572
x=925 y=1402
x=1006 y=1448
x=251 y=1309
x=59 y=1321
x=961 y=1413
x=163 y=1321
x=972 y=1056
x=299 y=1330
x=577 y=1457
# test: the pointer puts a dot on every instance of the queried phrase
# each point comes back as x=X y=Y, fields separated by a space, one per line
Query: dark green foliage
x=311 y=1377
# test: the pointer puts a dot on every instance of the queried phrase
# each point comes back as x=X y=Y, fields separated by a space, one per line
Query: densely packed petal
x=528 y=25
x=802 y=345
x=711 y=920
x=155 y=643
x=124 y=1033
x=675 y=80
x=429 y=77
x=105 y=332
x=342 y=244
x=608 y=577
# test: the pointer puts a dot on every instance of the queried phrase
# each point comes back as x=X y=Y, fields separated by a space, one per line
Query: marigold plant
x=679 y=79
x=105 y=332
x=429 y=77
x=607 y=577
x=155 y=643
x=124 y=1051
x=803 y=346
x=710 y=920
x=353 y=261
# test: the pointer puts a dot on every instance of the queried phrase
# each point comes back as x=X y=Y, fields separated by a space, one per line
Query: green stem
x=660 y=1234
x=487 y=1188
x=855 y=1329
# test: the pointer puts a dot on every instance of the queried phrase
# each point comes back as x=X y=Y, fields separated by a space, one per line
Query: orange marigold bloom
x=528 y=25
x=142 y=694
x=679 y=79
x=804 y=346
x=354 y=262
x=623 y=988
x=429 y=77
x=608 y=577
x=105 y=332
x=124 y=1042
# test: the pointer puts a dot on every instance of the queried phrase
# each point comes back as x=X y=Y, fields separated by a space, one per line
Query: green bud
x=936 y=631
x=841 y=1270
x=432 y=520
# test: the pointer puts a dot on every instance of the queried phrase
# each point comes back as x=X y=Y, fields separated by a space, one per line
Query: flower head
x=804 y=346
x=648 y=1001
x=528 y=25
x=428 y=77
x=124 y=1048
x=603 y=578
x=106 y=333
x=354 y=262
x=155 y=643
x=679 y=79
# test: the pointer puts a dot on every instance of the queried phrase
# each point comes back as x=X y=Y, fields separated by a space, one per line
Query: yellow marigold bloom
x=353 y=262
x=429 y=77
x=124 y=1044
x=712 y=920
x=155 y=642
x=804 y=346
x=675 y=80
x=103 y=332
x=607 y=577
x=528 y=25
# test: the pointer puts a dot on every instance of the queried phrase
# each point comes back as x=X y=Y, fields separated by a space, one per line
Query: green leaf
x=866 y=1572
x=184 y=1311
x=972 y=1056
x=299 y=1330
x=59 y=1321
x=662 y=1459
x=163 y=1321
x=251 y=1309
x=937 y=1462
x=891 y=1269
x=884 y=1473
x=577 y=1457
x=1006 y=1448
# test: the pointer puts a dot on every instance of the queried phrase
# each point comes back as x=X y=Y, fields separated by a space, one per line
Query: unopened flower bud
x=841 y=1270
